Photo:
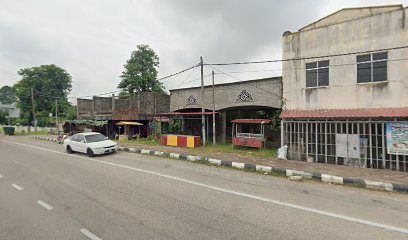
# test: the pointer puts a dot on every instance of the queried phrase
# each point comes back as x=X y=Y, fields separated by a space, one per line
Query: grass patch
x=140 y=142
x=243 y=151
x=31 y=133
x=269 y=153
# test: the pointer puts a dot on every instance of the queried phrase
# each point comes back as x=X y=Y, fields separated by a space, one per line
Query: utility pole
x=202 y=101
x=9 y=116
x=33 y=108
x=213 y=88
x=56 y=113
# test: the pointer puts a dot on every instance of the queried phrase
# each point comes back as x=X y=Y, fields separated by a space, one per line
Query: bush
x=3 y=118
x=175 y=126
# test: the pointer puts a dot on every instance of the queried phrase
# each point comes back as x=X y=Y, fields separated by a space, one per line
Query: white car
x=91 y=143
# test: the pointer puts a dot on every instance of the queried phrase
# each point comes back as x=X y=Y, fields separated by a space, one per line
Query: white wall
x=26 y=128
x=381 y=31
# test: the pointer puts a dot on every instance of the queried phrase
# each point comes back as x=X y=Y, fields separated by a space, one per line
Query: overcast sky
x=92 y=39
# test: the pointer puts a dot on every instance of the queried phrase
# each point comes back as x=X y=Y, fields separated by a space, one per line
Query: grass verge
x=270 y=153
x=140 y=142
x=31 y=133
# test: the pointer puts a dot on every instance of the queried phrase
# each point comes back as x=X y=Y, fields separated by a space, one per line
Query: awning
x=129 y=123
x=252 y=121
x=188 y=113
x=345 y=113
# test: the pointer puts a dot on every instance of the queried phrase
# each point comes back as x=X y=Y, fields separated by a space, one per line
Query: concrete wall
x=29 y=128
x=385 y=30
x=102 y=105
x=142 y=107
x=263 y=92
x=84 y=108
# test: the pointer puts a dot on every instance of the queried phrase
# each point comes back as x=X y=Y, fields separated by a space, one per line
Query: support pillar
x=224 y=126
x=282 y=133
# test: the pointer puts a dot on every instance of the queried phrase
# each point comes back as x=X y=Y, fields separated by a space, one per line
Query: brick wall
x=142 y=107
x=85 y=108
x=102 y=105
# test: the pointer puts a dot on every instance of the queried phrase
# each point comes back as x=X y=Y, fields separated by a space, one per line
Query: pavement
x=48 y=194
x=376 y=175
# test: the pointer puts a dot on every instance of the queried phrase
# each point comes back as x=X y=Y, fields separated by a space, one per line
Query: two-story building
x=345 y=89
x=141 y=108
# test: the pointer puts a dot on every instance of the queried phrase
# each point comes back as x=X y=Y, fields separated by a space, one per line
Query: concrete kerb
x=261 y=168
x=331 y=179
x=391 y=187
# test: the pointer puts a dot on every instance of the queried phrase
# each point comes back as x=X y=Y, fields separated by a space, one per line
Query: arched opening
x=191 y=121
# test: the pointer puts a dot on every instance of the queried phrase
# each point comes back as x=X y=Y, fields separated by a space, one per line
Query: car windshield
x=95 y=138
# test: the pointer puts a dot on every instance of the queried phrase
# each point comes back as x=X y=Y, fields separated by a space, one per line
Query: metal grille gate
x=315 y=141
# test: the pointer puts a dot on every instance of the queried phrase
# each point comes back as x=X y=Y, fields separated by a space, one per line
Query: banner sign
x=397 y=138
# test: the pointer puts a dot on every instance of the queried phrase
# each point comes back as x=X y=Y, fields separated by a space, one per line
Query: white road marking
x=17 y=187
x=241 y=194
x=45 y=205
x=1 y=176
x=89 y=234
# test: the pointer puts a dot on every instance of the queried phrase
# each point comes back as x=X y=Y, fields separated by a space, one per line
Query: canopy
x=189 y=113
x=129 y=123
x=253 y=121
x=346 y=113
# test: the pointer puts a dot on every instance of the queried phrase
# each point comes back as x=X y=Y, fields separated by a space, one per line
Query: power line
x=305 y=58
x=43 y=95
x=280 y=97
x=185 y=79
x=193 y=80
x=304 y=68
x=177 y=73
x=240 y=63
x=160 y=79
x=100 y=94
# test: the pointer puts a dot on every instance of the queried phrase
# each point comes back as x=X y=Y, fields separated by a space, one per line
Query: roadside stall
x=249 y=132
x=130 y=131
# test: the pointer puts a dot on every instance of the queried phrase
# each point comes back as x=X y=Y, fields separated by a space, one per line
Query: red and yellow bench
x=181 y=140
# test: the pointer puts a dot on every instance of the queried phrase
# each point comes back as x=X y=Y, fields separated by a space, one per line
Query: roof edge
x=398 y=112
x=228 y=83
x=354 y=8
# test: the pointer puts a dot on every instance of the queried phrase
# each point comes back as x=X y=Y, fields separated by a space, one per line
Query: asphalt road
x=48 y=194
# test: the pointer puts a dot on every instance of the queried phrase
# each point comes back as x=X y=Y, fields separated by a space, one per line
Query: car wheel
x=69 y=149
x=90 y=152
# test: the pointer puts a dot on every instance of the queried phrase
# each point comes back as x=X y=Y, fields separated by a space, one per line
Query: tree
x=70 y=112
x=140 y=72
x=3 y=117
x=49 y=82
x=7 y=95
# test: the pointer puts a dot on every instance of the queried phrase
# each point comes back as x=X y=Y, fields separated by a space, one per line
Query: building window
x=317 y=74
x=372 y=67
